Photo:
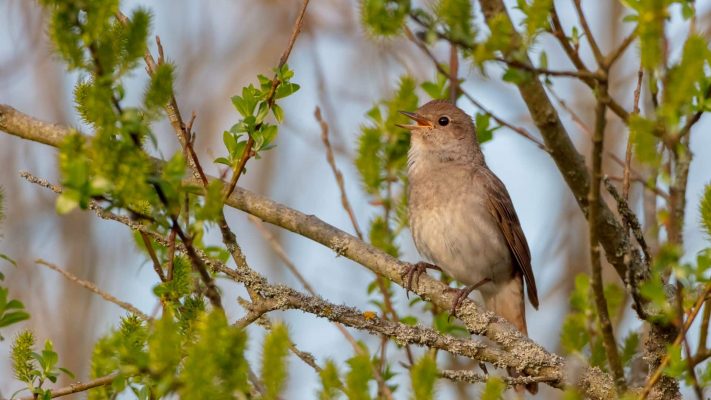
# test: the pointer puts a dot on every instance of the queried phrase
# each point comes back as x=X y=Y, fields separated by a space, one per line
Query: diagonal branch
x=570 y=162
x=92 y=287
x=529 y=356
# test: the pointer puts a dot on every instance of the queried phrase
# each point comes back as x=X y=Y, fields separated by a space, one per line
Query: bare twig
x=92 y=287
x=617 y=53
x=609 y=342
x=629 y=218
x=588 y=34
x=337 y=173
x=469 y=376
x=687 y=324
x=685 y=343
x=453 y=74
x=580 y=74
x=154 y=257
x=628 y=150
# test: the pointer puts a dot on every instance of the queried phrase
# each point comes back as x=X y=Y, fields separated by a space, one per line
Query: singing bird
x=461 y=215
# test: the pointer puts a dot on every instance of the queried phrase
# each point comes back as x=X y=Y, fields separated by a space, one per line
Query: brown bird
x=461 y=215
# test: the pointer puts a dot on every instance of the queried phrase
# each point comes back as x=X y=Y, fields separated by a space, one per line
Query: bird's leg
x=482 y=366
x=413 y=272
x=463 y=293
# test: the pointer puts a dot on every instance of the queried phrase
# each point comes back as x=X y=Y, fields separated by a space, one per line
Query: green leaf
x=494 y=389
x=286 y=89
x=423 y=376
x=13 y=317
x=382 y=236
x=160 y=87
x=262 y=112
x=8 y=259
x=705 y=210
x=630 y=347
x=384 y=17
x=330 y=382
x=23 y=363
x=211 y=209
x=230 y=141
x=274 y=361
x=66 y=202
x=359 y=376
x=457 y=16
x=650 y=29
x=278 y=113
x=645 y=141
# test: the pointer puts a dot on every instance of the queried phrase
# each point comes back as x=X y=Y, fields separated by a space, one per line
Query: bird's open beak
x=421 y=122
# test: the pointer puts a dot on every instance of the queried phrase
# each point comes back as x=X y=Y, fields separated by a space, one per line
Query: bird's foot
x=413 y=272
x=463 y=293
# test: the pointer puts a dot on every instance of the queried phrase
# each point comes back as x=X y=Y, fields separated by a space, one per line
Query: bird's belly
x=470 y=247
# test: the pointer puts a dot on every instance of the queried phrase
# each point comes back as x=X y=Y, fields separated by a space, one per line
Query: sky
x=220 y=46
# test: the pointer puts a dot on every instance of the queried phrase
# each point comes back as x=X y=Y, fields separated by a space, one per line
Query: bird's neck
x=423 y=160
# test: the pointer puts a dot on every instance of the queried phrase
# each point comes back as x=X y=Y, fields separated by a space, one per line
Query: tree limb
x=525 y=354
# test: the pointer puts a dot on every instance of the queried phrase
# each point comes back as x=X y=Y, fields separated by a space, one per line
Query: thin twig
x=687 y=324
x=248 y=150
x=92 y=287
x=154 y=257
x=594 y=199
x=685 y=343
x=469 y=376
x=559 y=34
x=588 y=34
x=79 y=387
x=617 y=53
x=628 y=150
x=580 y=74
x=629 y=218
x=337 y=173
x=453 y=74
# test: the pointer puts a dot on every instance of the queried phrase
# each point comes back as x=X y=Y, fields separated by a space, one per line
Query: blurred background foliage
x=360 y=63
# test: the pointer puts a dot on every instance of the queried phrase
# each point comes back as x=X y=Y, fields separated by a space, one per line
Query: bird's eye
x=443 y=121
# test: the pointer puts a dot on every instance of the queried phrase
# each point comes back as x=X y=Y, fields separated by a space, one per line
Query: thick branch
x=569 y=161
x=529 y=356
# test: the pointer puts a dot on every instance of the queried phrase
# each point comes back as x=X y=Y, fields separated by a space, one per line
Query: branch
x=337 y=173
x=570 y=162
x=79 y=387
x=588 y=34
x=529 y=356
x=90 y=286
x=608 y=337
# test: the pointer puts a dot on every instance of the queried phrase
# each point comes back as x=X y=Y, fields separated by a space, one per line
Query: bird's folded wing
x=502 y=209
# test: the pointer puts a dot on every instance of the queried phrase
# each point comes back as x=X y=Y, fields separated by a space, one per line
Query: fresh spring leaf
x=423 y=376
x=359 y=376
x=494 y=389
x=274 y=361
x=330 y=382
x=384 y=17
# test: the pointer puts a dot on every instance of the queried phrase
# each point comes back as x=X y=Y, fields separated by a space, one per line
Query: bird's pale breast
x=456 y=231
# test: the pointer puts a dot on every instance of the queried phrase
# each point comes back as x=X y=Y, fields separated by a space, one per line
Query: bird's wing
x=503 y=212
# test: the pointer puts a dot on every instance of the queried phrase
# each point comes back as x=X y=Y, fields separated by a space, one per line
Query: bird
x=461 y=216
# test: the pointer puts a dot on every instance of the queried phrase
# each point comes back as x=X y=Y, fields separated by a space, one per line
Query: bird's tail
x=508 y=301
